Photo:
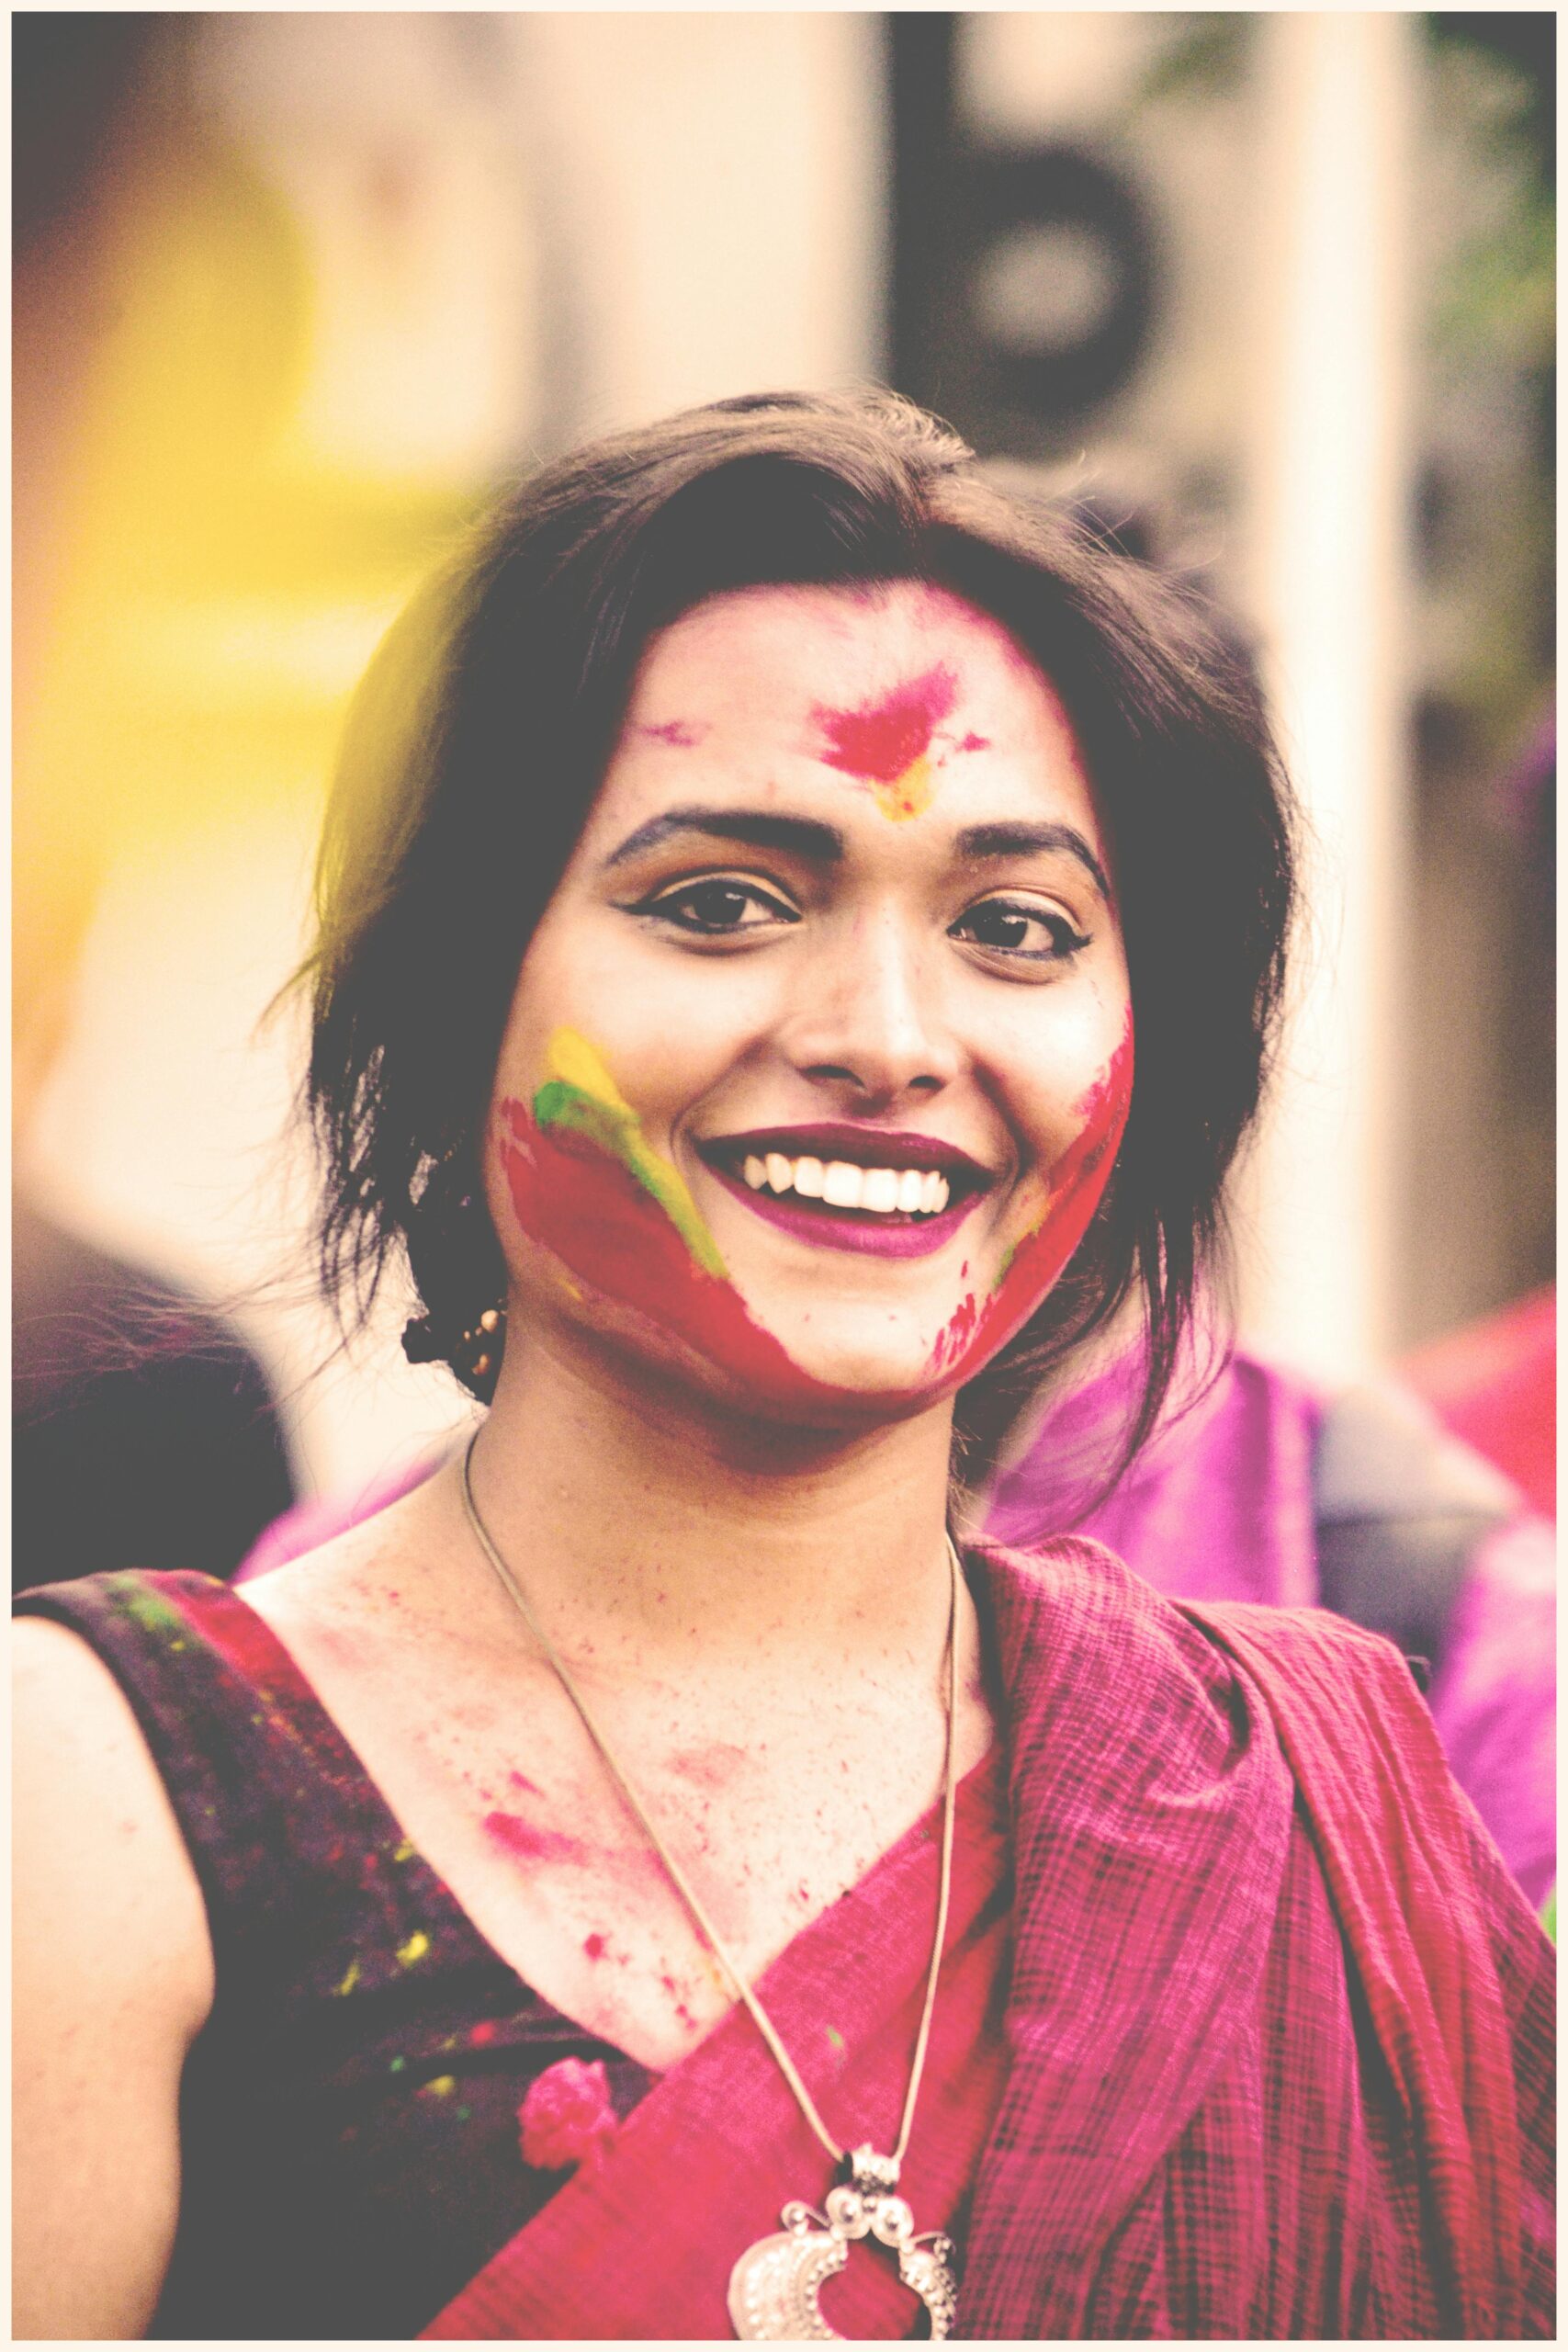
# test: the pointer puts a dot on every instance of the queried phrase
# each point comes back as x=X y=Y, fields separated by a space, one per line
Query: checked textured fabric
x=1249 y=2097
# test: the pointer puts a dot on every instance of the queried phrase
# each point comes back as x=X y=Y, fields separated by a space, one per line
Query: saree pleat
x=1388 y=1824
x=1151 y=1831
x=1287 y=2109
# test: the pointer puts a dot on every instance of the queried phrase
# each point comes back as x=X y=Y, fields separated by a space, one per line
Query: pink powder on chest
x=526 y=1841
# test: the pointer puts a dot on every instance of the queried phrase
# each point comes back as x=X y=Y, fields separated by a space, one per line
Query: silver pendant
x=774 y=2286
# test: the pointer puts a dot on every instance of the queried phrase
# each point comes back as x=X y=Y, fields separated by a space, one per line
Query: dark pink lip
x=863 y=1146
x=888 y=1235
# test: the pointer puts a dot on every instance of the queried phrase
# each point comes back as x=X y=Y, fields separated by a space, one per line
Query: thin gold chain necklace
x=775 y=2285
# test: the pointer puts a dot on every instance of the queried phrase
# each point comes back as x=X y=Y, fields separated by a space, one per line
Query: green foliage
x=1205 y=55
x=1500 y=294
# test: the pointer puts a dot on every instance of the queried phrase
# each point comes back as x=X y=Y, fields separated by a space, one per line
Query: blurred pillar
x=1329 y=499
x=715 y=184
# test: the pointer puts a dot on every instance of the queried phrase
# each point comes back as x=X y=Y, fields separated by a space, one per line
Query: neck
x=647 y=1534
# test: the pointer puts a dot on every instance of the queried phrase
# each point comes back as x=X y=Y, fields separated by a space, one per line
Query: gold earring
x=480 y=1338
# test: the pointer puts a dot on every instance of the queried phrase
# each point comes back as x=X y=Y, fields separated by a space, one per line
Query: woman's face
x=819 y=1057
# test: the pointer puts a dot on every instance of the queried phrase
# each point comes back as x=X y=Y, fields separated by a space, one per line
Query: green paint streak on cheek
x=597 y=1109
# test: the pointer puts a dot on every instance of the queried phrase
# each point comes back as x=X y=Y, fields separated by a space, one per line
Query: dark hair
x=484 y=725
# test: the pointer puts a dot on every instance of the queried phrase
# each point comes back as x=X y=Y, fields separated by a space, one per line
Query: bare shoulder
x=112 y=1982
x=93 y=1821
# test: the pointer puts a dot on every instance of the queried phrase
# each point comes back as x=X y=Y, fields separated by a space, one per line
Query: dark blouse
x=350 y=2115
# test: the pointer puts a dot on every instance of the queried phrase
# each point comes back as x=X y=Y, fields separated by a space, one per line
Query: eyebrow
x=761 y=828
x=1022 y=841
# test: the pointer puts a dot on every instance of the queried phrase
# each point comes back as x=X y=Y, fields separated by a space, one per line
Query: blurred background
x=1272 y=293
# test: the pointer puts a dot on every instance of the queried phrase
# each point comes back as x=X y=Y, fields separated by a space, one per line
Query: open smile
x=853 y=1188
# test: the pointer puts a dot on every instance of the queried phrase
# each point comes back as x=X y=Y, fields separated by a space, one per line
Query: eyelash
x=662 y=905
x=1066 y=939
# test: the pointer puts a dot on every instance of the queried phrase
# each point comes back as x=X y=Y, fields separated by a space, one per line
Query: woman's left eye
x=718 y=906
x=1020 y=929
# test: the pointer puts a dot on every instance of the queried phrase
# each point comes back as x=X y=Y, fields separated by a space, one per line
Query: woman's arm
x=112 y=1981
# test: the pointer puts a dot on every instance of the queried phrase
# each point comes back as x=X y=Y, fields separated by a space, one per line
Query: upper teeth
x=844 y=1186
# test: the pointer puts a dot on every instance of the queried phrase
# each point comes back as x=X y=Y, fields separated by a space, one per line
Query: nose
x=869 y=1020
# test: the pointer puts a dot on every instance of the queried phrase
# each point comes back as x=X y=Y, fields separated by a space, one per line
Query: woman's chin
x=807 y=1376
x=829 y=1388
x=872 y=1367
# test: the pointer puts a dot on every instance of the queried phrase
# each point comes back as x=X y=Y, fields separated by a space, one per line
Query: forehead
x=804 y=691
x=763 y=653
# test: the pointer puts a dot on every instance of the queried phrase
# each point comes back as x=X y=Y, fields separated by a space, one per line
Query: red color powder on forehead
x=882 y=739
x=685 y=733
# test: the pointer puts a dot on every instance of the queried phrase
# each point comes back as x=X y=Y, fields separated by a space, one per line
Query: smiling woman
x=548 y=653
x=801 y=938
x=964 y=971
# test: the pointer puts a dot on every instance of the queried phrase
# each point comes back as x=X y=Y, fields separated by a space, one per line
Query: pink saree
x=1268 y=2056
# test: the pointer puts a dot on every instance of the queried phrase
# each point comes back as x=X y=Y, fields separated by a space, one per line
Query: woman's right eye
x=719 y=907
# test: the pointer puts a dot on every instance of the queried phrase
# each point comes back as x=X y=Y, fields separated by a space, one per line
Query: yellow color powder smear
x=352 y=1979
x=414 y=1950
x=575 y=1062
x=908 y=795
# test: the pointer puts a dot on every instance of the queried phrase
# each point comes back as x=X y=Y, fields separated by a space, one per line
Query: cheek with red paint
x=620 y=1226
x=614 y=1239
x=982 y=1326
